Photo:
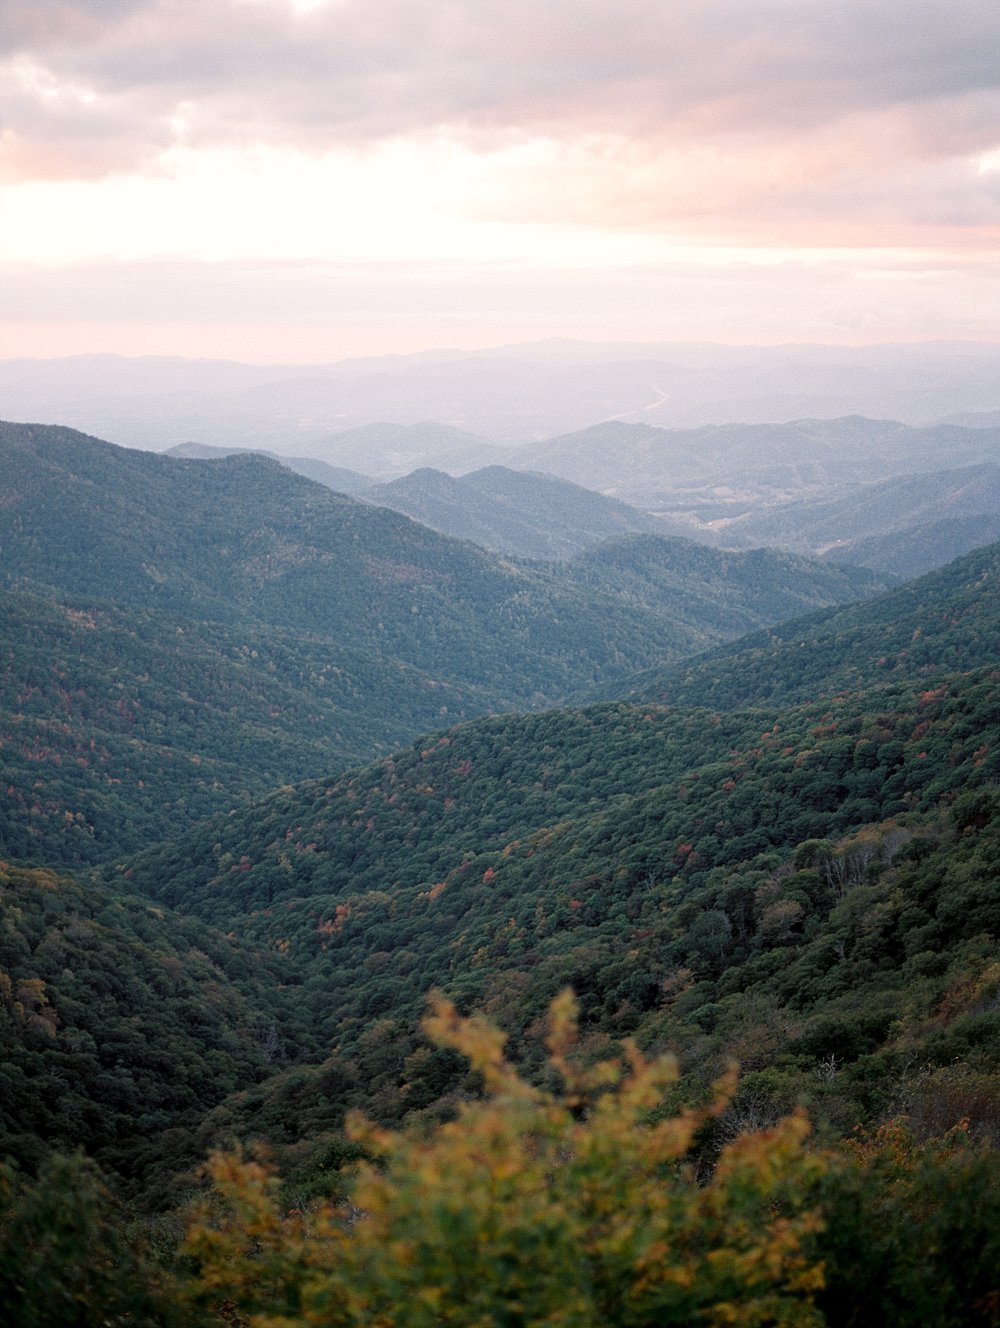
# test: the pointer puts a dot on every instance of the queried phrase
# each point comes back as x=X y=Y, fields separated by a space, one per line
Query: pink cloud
x=785 y=119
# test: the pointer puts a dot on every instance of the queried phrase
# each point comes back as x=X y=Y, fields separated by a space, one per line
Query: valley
x=279 y=762
x=499 y=664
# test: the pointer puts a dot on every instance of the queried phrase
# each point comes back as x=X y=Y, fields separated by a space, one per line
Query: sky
x=302 y=180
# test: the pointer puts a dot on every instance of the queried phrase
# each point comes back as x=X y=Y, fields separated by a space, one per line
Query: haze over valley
x=817 y=483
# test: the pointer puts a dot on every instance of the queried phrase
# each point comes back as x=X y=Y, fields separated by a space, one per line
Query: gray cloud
x=226 y=71
x=790 y=121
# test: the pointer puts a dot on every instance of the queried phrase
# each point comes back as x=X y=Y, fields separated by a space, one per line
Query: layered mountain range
x=783 y=851
x=182 y=633
x=507 y=395
x=877 y=493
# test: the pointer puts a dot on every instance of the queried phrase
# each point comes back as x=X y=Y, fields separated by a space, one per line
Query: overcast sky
x=282 y=180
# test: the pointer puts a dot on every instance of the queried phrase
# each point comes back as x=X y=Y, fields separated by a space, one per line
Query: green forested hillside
x=712 y=590
x=123 y=726
x=235 y=538
x=785 y=854
x=671 y=866
x=945 y=621
x=921 y=548
x=519 y=513
x=244 y=538
x=121 y=1025
x=807 y=889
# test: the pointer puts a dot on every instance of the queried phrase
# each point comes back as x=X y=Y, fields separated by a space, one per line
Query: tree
x=572 y=1209
x=65 y=1260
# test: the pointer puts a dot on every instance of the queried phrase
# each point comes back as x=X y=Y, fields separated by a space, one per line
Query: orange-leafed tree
x=572 y=1209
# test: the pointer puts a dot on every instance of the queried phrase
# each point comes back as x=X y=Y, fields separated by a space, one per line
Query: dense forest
x=234 y=926
x=122 y=725
x=943 y=622
x=633 y=855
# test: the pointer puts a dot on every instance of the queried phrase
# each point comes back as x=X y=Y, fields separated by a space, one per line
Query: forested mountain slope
x=714 y=589
x=338 y=478
x=809 y=889
x=945 y=621
x=122 y=726
x=244 y=539
x=916 y=550
x=122 y=1025
x=699 y=880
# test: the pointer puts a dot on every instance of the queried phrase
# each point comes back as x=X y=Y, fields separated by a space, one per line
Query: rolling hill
x=944 y=622
x=743 y=466
x=519 y=513
x=918 y=549
x=839 y=521
x=782 y=887
x=796 y=885
x=246 y=539
x=118 y=726
x=714 y=589
x=337 y=478
x=806 y=887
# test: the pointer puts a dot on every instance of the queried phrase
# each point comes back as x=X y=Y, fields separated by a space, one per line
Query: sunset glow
x=477 y=172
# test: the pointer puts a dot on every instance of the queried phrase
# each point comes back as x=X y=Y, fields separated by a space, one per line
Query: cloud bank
x=784 y=119
x=307 y=175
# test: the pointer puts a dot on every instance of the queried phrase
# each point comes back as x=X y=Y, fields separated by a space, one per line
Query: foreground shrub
x=573 y=1210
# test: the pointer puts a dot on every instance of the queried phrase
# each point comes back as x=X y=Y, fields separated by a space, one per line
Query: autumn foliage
x=569 y=1209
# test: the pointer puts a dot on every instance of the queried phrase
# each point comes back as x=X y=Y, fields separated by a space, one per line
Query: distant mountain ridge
x=859 y=511
x=337 y=478
x=748 y=464
x=973 y=419
x=386 y=450
x=836 y=503
x=918 y=549
x=508 y=394
x=515 y=512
